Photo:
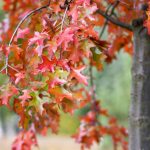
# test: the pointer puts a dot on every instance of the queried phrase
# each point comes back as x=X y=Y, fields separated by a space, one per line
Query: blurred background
x=113 y=89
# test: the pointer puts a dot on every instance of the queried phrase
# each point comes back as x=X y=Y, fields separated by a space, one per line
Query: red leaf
x=66 y=36
x=38 y=39
x=46 y=65
x=76 y=73
x=22 y=33
x=25 y=140
x=25 y=96
x=19 y=76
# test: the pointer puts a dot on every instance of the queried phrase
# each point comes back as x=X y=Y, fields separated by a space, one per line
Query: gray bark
x=139 y=118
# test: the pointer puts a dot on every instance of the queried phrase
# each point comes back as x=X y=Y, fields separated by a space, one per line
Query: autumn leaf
x=7 y=92
x=38 y=39
x=25 y=140
x=19 y=76
x=26 y=96
x=22 y=33
x=60 y=93
x=46 y=65
x=66 y=37
x=76 y=73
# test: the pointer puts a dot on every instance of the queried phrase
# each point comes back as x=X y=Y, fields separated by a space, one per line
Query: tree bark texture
x=139 y=118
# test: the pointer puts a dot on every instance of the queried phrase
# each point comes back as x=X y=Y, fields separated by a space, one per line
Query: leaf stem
x=64 y=16
x=4 y=67
x=13 y=68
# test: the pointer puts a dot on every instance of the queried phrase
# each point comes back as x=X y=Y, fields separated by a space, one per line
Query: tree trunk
x=139 y=130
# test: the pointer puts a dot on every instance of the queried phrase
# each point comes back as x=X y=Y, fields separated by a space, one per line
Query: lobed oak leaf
x=60 y=93
x=87 y=135
x=63 y=63
x=76 y=73
x=66 y=37
x=46 y=64
x=56 y=81
x=25 y=96
x=19 y=76
x=22 y=33
x=39 y=39
x=5 y=97
x=6 y=93
x=39 y=49
x=74 y=14
x=37 y=101
x=25 y=140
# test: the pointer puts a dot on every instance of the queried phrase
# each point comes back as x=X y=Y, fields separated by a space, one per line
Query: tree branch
x=24 y=18
x=116 y=22
x=112 y=12
x=15 y=32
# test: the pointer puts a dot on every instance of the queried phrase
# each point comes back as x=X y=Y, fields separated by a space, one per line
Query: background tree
x=44 y=54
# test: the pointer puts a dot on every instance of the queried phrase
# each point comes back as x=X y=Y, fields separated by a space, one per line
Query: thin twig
x=61 y=28
x=64 y=16
x=111 y=13
x=13 y=68
x=105 y=22
x=114 y=21
x=6 y=64
x=3 y=69
x=122 y=2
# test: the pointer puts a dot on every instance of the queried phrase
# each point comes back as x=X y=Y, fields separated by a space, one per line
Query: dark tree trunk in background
x=139 y=130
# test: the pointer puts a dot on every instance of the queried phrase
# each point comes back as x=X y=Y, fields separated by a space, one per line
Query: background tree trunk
x=139 y=130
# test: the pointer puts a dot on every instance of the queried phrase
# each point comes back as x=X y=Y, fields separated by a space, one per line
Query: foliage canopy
x=45 y=46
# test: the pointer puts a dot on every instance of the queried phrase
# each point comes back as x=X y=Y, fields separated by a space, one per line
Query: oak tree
x=45 y=46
